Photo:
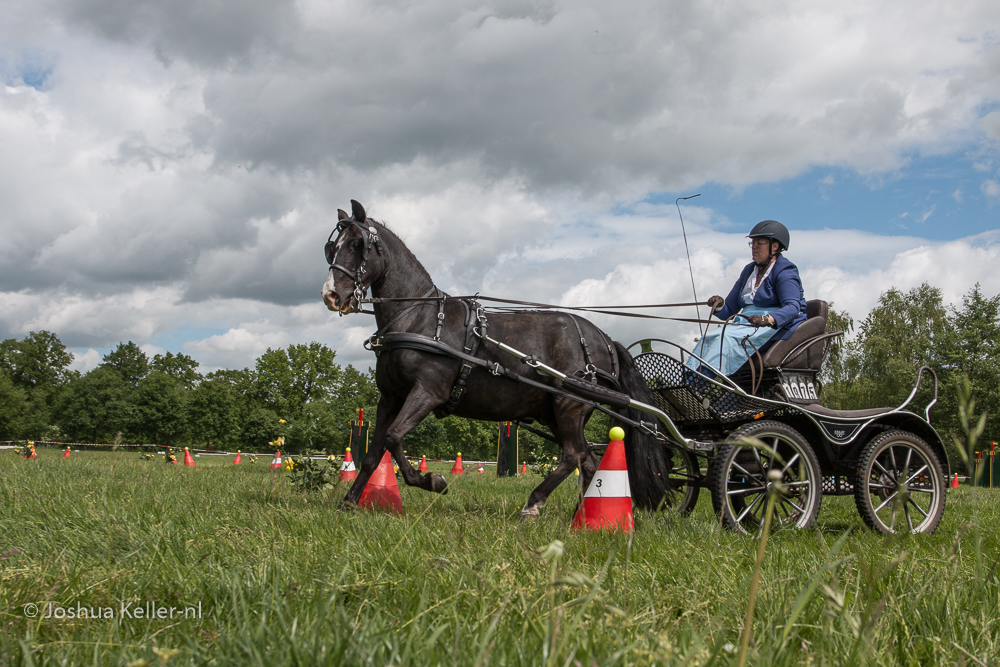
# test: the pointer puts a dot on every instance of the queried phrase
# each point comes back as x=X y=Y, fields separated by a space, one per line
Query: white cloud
x=86 y=361
x=183 y=166
x=990 y=188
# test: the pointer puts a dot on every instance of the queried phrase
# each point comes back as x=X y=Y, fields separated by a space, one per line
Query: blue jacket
x=780 y=293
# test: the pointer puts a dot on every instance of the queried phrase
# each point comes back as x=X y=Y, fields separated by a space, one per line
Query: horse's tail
x=649 y=461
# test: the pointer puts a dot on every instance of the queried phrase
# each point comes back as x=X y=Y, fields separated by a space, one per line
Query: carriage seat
x=810 y=357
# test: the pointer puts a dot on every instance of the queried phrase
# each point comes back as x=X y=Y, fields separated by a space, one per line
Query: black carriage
x=732 y=430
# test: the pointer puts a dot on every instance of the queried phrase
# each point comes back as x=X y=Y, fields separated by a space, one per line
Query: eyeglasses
x=761 y=242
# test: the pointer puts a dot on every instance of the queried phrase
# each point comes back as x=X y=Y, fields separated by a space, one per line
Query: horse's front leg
x=386 y=414
x=417 y=406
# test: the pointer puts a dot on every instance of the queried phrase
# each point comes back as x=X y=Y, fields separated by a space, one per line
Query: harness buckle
x=495 y=368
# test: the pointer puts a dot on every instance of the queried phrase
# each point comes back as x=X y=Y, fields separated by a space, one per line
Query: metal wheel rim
x=747 y=485
x=684 y=481
x=902 y=487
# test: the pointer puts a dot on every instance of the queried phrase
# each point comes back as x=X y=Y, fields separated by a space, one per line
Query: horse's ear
x=359 y=211
x=342 y=214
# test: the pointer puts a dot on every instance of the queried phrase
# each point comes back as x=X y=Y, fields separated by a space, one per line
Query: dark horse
x=414 y=383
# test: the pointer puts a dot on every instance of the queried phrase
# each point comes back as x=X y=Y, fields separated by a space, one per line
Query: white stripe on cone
x=347 y=466
x=609 y=484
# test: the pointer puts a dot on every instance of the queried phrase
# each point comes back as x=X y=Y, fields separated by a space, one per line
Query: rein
x=370 y=239
x=603 y=310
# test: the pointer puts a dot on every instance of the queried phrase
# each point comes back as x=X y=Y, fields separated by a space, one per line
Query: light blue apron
x=731 y=341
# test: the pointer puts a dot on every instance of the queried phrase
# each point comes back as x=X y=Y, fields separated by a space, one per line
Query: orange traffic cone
x=607 y=504
x=457 y=468
x=347 y=470
x=276 y=461
x=954 y=482
x=382 y=490
x=524 y=467
x=423 y=465
x=237 y=460
x=480 y=468
x=188 y=461
x=66 y=455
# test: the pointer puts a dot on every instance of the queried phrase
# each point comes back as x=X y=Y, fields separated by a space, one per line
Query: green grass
x=284 y=578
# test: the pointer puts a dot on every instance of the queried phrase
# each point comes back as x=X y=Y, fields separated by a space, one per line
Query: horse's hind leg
x=569 y=431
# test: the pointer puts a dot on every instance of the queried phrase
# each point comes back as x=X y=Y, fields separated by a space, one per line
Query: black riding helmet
x=770 y=229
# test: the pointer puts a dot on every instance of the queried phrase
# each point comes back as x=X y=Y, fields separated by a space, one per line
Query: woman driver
x=767 y=295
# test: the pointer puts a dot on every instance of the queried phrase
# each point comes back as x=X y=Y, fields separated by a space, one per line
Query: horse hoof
x=438 y=483
x=347 y=506
x=530 y=513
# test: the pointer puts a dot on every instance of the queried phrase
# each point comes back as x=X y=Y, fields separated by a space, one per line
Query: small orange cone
x=480 y=468
x=954 y=482
x=188 y=461
x=276 y=461
x=524 y=467
x=457 y=468
x=66 y=455
x=607 y=504
x=423 y=465
x=382 y=490
x=347 y=470
x=237 y=460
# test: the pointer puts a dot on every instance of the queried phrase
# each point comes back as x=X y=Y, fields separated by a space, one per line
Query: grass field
x=284 y=578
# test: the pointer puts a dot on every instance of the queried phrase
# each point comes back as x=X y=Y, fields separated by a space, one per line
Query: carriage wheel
x=685 y=482
x=739 y=482
x=899 y=484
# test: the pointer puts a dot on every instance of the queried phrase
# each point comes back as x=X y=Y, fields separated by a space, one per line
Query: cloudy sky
x=169 y=171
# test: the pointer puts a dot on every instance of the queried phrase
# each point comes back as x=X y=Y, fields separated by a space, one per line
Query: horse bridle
x=370 y=239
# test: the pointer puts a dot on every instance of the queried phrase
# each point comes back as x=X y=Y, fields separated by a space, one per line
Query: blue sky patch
x=940 y=198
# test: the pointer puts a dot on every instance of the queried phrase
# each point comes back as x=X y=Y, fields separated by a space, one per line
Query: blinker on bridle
x=370 y=239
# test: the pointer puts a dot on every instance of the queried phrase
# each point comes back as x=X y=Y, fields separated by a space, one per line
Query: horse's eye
x=357 y=245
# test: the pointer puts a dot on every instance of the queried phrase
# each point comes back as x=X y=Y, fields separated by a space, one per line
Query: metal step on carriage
x=728 y=432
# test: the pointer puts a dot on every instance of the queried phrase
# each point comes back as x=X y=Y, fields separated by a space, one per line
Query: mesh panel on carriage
x=687 y=396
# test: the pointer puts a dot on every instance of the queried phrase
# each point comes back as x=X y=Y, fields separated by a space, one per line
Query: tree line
x=906 y=330
x=298 y=392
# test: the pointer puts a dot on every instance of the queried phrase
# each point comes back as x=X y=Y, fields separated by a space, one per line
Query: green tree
x=285 y=381
x=354 y=389
x=241 y=383
x=96 y=406
x=260 y=428
x=179 y=366
x=878 y=368
x=158 y=410
x=129 y=361
x=213 y=413
x=971 y=349
x=39 y=359
x=13 y=400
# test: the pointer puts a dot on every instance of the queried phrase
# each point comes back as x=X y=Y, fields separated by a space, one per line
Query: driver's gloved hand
x=759 y=320
x=716 y=303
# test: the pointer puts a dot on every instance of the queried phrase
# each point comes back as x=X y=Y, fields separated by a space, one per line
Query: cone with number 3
x=607 y=504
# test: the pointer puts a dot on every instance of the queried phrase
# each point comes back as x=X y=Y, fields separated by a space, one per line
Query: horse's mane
x=402 y=246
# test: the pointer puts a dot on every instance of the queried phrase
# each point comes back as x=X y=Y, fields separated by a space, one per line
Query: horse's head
x=356 y=257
